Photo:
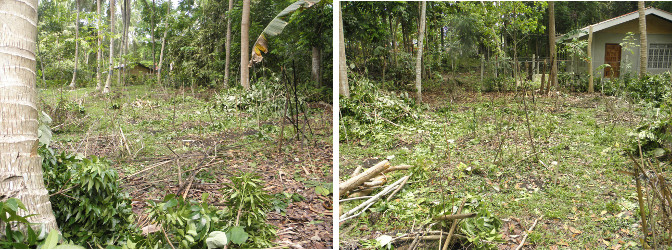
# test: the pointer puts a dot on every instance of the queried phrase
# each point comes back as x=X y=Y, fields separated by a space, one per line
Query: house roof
x=619 y=20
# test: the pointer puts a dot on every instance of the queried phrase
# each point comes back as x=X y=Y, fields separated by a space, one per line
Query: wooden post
x=534 y=66
x=591 y=87
x=482 y=66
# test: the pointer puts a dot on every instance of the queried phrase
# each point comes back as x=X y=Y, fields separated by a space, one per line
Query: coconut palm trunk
x=110 y=69
x=20 y=164
x=228 y=45
x=99 y=53
x=245 y=46
x=74 y=73
x=344 y=88
x=418 y=60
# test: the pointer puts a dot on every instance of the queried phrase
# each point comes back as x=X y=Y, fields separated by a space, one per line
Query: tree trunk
x=245 y=46
x=591 y=87
x=74 y=72
x=315 y=68
x=20 y=164
x=110 y=68
x=228 y=45
x=99 y=53
x=163 y=47
x=153 y=38
x=124 y=41
x=643 y=45
x=553 y=81
x=418 y=60
x=344 y=88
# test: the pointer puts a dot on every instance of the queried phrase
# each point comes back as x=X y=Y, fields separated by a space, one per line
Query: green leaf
x=275 y=27
x=69 y=246
x=12 y=204
x=238 y=235
x=216 y=239
x=51 y=241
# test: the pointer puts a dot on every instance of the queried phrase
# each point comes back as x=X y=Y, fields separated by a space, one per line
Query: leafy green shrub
x=501 y=83
x=654 y=137
x=369 y=108
x=87 y=200
x=652 y=88
x=13 y=237
x=251 y=202
x=485 y=227
x=187 y=223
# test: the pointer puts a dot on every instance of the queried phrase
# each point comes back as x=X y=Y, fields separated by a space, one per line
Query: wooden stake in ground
x=452 y=227
x=354 y=182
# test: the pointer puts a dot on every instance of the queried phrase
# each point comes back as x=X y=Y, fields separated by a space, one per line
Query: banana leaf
x=275 y=27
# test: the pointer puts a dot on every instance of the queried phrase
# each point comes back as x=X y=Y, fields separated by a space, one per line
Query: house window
x=660 y=56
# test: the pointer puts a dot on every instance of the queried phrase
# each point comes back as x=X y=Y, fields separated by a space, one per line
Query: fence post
x=534 y=65
x=482 y=66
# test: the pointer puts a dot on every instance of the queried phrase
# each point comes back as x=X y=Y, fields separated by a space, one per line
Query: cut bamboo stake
x=355 y=181
x=369 y=202
x=455 y=216
x=522 y=242
x=452 y=227
x=389 y=198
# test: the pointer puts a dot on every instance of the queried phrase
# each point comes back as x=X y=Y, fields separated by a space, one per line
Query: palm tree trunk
x=643 y=46
x=74 y=73
x=553 y=76
x=228 y=45
x=99 y=54
x=20 y=164
x=344 y=88
x=245 y=46
x=163 y=46
x=418 y=60
x=110 y=69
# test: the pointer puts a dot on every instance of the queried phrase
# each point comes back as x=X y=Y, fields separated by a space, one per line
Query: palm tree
x=553 y=76
x=20 y=171
x=99 y=54
x=643 y=52
x=344 y=88
x=245 y=46
x=74 y=73
x=110 y=68
x=418 y=60
x=228 y=44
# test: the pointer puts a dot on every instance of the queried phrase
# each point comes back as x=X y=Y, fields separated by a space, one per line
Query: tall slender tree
x=245 y=46
x=163 y=45
x=418 y=60
x=74 y=72
x=110 y=68
x=643 y=46
x=344 y=88
x=227 y=67
x=20 y=164
x=553 y=76
x=99 y=54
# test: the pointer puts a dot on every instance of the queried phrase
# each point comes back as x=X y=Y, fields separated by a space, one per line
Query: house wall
x=601 y=39
x=659 y=31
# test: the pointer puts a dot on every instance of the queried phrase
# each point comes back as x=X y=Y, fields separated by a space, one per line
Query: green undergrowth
x=572 y=180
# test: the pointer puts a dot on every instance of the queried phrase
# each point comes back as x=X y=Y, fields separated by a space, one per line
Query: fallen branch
x=397 y=190
x=351 y=214
x=455 y=216
x=395 y=168
x=355 y=181
x=522 y=242
x=357 y=171
x=354 y=198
